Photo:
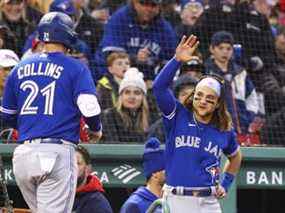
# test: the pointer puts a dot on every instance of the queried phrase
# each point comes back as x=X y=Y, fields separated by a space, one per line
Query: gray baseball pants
x=46 y=175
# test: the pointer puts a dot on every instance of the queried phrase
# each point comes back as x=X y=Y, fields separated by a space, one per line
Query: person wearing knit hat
x=153 y=168
x=129 y=120
x=133 y=77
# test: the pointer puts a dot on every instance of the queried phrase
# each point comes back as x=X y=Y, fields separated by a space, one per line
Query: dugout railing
x=119 y=166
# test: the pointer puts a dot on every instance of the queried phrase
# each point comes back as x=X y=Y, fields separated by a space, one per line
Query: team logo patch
x=214 y=171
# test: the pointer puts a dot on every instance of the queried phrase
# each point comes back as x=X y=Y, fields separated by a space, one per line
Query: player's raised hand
x=186 y=48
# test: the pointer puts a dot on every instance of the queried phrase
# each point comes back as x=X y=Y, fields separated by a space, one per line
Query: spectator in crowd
x=240 y=93
x=254 y=33
x=274 y=82
x=273 y=131
x=7 y=39
x=280 y=50
x=8 y=59
x=170 y=11
x=89 y=193
x=32 y=13
x=89 y=30
x=191 y=10
x=193 y=68
x=82 y=52
x=13 y=15
x=182 y=87
x=107 y=89
x=218 y=15
x=153 y=167
x=265 y=7
x=100 y=10
x=130 y=119
x=64 y=6
x=138 y=29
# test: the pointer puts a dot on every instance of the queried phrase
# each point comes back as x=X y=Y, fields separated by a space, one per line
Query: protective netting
x=242 y=41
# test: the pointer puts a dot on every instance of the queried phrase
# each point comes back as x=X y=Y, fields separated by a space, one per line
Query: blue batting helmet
x=57 y=27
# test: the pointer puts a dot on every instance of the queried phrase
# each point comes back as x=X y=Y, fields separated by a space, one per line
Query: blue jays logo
x=214 y=171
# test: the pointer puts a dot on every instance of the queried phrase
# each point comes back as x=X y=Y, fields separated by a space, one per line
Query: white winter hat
x=8 y=58
x=133 y=77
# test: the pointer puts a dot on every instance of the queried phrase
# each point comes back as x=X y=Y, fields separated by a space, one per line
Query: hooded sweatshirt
x=90 y=198
x=139 y=201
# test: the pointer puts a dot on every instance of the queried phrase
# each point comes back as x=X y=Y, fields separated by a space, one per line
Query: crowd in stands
x=125 y=44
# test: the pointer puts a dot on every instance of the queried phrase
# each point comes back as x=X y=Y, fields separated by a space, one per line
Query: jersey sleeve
x=232 y=144
x=9 y=104
x=161 y=88
x=84 y=83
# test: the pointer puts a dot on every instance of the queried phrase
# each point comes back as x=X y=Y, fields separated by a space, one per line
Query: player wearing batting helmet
x=45 y=96
x=198 y=131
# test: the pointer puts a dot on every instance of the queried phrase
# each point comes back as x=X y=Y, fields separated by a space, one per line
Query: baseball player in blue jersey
x=44 y=98
x=198 y=131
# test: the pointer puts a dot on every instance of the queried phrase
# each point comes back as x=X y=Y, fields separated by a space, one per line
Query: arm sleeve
x=161 y=88
x=232 y=144
x=94 y=123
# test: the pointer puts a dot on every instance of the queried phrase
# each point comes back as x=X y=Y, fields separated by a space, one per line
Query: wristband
x=227 y=180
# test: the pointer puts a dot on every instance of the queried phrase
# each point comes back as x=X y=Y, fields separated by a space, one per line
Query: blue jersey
x=42 y=92
x=193 y=150
x=123 y=33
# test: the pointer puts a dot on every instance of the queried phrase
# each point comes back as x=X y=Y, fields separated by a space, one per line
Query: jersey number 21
x=47 y=92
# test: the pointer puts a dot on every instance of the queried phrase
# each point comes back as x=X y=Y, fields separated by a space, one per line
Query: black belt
x=192 y=192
